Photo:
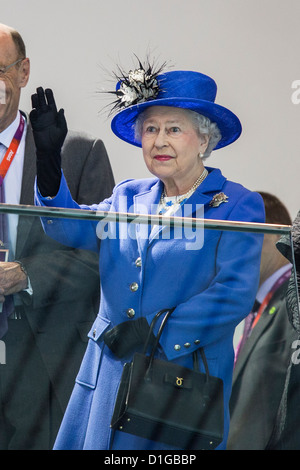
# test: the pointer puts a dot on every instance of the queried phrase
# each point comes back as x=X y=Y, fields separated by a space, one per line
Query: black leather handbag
x=163 y=401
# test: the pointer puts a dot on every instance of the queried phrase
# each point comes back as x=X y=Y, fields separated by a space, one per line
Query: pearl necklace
x=183 y=197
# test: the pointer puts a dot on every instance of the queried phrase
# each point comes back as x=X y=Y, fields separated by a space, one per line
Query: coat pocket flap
x=99 y=326
x=88 y=372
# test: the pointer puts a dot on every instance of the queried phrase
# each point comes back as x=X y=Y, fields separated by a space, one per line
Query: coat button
x=197 y=341
x=187 y=345
x=130 y=313
x=138 y=262
x=134 y=286
x=177 y=347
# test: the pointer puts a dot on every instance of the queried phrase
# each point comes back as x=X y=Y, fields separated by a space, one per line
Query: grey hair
x=202 y=124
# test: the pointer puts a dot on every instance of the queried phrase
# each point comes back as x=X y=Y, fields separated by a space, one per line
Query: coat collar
x=146 y=202
x=150 y=198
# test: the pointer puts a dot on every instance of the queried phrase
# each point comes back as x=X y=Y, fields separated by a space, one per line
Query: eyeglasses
x=3 y=70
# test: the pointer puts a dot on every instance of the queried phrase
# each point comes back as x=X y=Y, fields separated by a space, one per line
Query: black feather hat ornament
x=136 y=86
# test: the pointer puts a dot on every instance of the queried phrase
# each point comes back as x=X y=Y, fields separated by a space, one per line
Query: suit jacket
x=259 y=377
x=142 y=272
x=286 y=434
x=65 y=284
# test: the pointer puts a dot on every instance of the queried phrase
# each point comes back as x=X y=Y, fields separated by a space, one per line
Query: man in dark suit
x=265 y=349
x=55 y=288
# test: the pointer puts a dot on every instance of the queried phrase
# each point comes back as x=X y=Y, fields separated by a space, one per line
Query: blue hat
x=180 y=89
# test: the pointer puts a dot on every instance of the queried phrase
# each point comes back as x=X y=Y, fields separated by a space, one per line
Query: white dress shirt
x=269 y=283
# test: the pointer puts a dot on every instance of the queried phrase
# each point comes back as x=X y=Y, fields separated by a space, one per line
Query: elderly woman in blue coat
x=211 y=280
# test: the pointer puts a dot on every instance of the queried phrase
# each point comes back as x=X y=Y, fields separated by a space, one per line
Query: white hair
x=202 y=124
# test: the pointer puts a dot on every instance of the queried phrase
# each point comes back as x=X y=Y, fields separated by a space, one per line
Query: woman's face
x=171 y=147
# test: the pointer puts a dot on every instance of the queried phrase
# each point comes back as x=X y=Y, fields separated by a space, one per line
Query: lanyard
x=12 y=150
x=270 y=294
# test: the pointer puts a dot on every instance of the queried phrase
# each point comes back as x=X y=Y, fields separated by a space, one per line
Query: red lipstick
x=163 y=158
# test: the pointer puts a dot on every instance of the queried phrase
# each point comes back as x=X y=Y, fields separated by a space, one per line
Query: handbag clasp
x=179 y=381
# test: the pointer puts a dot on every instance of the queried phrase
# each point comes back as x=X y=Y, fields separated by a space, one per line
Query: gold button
x=138 y=262
x=134 y=286
x=130 y=313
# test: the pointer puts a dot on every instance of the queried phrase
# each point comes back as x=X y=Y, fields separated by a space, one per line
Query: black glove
x=49 y=131
x=127 y=336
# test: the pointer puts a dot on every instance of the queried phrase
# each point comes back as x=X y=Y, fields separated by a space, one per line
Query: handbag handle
x=162 y=325
x=156 y=317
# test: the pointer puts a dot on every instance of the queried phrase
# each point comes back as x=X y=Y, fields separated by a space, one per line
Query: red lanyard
x=270 y=294
x=12 y=150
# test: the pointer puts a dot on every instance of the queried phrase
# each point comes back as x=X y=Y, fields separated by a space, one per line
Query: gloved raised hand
x=127 y=336
x=49 y=131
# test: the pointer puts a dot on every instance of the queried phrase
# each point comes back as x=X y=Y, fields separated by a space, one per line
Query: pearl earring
x=201 y=155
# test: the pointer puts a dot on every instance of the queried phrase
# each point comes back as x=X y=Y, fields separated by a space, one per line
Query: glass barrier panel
x=78 y=292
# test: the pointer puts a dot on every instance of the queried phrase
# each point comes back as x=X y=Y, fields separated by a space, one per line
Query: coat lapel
x=256 y=334
x=27 y=191
x=29 y=170
x=147 y=202
x=259 y=329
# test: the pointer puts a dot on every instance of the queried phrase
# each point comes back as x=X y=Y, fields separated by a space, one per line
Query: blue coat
x=212 y=286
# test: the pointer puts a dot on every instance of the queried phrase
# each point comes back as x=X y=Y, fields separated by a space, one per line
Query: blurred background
x=250 y=47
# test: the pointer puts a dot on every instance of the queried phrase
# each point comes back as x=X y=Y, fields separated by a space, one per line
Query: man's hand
x=12 y=279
